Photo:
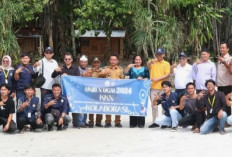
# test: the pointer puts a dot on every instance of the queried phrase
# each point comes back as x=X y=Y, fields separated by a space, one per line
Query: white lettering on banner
x=106 y=97
x=118 y=90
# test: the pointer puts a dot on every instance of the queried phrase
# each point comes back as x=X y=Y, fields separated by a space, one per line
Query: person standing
x=136 y=70
x=215 y=103
x=159 y=72
x=224 y=78
x=7 y=74
x=94 y=72
x=193 y=116
x=48 y=65
x=203 y=70
x=182 y=73
x=7 y=109
x=115 y=72
x=23 y=75
x=29 y=110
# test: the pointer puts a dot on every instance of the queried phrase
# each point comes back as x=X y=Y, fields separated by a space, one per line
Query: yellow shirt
x=159 y=69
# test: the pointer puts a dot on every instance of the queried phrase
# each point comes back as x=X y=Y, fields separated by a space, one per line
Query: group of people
x=195 y=101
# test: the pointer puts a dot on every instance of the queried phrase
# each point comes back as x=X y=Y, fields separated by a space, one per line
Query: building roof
x=101 y=33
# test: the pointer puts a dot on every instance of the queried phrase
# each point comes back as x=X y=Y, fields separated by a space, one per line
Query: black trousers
x=136 y=120
x=226 y=90
x=22 y=121
x=193 y=119
x=12 y=127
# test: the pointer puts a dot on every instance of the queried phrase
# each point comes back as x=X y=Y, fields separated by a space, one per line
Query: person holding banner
x=159 y=71
x=94 y=72
x=115 y=72
x=136 y=70
x=172 y=112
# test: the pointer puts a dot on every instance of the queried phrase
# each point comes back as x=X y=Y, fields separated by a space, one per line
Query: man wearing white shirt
x=203 y=70
x=49 y=65
x=182 y=73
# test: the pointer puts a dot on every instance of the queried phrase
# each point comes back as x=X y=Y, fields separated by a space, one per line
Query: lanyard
x=211 y=103
x=6 y=73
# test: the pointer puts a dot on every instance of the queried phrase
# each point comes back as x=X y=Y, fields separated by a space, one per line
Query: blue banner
x=106 y=96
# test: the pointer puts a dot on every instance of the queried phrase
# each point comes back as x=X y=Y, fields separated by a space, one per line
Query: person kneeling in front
x=172 y=113
x=56 y=107
x=29 y=110
x=215 y=102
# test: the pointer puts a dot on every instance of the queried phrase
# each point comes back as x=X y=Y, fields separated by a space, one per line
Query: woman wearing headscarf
x=7 y=74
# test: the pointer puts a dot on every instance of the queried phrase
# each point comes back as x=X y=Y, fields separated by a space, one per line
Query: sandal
x=196 y=130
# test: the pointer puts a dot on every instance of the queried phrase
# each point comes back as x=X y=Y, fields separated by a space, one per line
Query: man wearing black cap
x=159 y=72
x=183 y=74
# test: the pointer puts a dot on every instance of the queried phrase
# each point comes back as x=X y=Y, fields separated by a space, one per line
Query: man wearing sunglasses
x=182 y=73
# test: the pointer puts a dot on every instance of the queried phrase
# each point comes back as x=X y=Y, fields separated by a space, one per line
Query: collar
x=116 y=67
x=45 y=59
x=226 y=56
x=69 y=67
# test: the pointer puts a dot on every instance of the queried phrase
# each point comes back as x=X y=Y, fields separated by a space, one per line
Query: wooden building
x=95 y=46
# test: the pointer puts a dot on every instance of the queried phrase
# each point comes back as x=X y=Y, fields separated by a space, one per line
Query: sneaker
x=50 y=128
x=59 y=127
x=107 y=125
x=118 y=125
x=21 y=131
x=141 y=126
x=90 y=125
x=132 y=126
x=174 y=129
x=153 y=125
x=65 y=127
x=222 y=132
x=164 y=126
x=99 y=125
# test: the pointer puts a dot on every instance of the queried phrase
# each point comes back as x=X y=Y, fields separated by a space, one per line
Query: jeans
x=81 y=119
x=229 y=120
x=169 y=121
x=212 y=124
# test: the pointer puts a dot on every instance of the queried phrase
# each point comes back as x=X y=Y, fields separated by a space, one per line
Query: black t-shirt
x=7 y=108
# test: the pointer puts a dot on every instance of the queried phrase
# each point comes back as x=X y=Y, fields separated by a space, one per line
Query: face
x=96 y=64
x=56 y=91
x=160 y=57
x=29 y=92
x=113 y=61
x=166 y=89
x=4 y=91
x=138 y=61
x=68 y=59
x=25 y=60
x=210 y=86
x=190 y=89
x=183 y=60
x=224 y=49
x=48 y=54
x=204 y=56
x=5 y=62
x=83 y=64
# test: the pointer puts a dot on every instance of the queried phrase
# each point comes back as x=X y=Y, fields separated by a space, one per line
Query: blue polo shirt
x=33 y=108
x=62 y=104
x=25 y=77
x=10 y=79
x=167 y=103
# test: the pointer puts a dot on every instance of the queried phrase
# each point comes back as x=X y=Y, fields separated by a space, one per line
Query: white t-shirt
x=183 y=75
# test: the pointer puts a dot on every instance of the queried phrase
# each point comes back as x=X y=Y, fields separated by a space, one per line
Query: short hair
x=190 y=84
x=167 y=83
x=137 y=56
x=56 y=85
x=28 y=86
x=205 y=50
x=68 y=54
x=5 y=85
x=24 y=55
x=211 y=81
x=113 y=55
x=224 y=42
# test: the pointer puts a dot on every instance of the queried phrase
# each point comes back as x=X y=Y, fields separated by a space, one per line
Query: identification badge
x=29 y=115
x=211 y=110
x=6 y=81
x=62 y=100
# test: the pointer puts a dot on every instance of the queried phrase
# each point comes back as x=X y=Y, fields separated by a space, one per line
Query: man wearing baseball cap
x=159 y=72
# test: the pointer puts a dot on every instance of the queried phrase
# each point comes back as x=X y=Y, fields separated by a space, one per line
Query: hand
x=107 y=72
x=26 y=103
x=220 y=114
x=36 y=64
x=52 y=102
x=19 y=70
x=12 y=95
x=200 y=95
x=6 y=127
x=198 y=61
x=59 y=69
x=172 y=107
x=183 y=98
x=1 y=103
x=139 y=78
x=174 y=65
x=155 y=79
x=131 y=65
x=38 y=121
x=221 y=59
x=61 y=121
x=64 y=74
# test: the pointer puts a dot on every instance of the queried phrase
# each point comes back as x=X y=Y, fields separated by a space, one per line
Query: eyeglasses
x=182 y=58
x=67 y=59
x=48 y=52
